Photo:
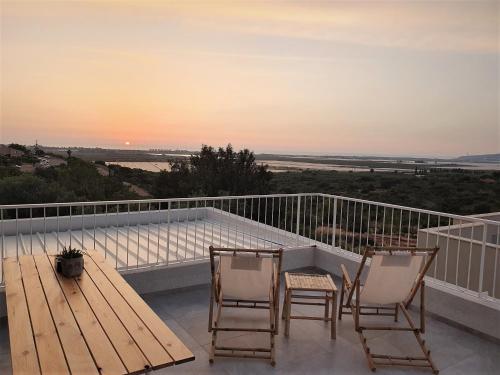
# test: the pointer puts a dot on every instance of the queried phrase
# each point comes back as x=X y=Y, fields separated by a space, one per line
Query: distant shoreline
x=166 y=154
x=279 y=166
x=159 y=159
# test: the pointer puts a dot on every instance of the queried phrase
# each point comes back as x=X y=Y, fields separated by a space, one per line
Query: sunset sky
x=395 y=78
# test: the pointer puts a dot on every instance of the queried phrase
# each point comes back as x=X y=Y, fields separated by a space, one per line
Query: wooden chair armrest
x=217 y=284
x=346 y=277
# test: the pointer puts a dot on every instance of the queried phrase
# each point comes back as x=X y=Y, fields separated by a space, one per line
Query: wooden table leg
x=334 y=316
x=327 y=306
x=283 y=311
x=288 y=312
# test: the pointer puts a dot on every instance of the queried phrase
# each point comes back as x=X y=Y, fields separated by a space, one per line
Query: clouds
x=459 y=26
x=365 y=77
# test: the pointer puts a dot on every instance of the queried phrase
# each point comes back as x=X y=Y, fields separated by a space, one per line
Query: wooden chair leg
x=396 y=312
x=214 y=331
x=422 y=307
x=366 y=349
x=334 y=317
x=212 y=347
x=272 y=317
x=356 y=317
x=276 y=307
x=421 y=342
x=211 y=308
x=341 y=299
x=273 y=351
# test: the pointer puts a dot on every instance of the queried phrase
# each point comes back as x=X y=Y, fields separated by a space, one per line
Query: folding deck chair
x=243 y=278
x=394 y=277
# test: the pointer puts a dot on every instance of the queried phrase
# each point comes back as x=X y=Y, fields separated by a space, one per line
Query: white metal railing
x=148 y=233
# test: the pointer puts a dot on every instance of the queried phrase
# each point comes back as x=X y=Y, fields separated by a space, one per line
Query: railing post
x=483 y=251
x=334 y=224
x=298 y=218
x=2 y=244
x=169 y=206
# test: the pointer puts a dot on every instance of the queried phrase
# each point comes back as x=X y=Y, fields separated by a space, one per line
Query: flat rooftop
x=309 y=348
x=130 y=245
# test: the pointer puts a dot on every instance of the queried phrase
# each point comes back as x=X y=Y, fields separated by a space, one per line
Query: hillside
x=486 y=158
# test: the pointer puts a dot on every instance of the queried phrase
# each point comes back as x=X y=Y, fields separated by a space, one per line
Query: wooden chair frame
x=272 y=304
x=354 y=307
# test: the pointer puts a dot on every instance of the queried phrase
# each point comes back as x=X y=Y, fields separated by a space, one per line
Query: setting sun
x=127 y=143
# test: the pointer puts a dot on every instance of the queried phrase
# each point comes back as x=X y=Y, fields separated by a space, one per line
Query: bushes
x=77 y=181
x=27 y=189
x=460 y=192
x=8 y=171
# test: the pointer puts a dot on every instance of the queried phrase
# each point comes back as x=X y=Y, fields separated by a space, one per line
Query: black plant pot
x=71 y=267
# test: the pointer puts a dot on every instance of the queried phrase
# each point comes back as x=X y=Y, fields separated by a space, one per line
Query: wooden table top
x=92 y=324
x=312 y=282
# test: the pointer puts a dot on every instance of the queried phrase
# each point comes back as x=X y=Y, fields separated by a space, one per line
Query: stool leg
x=341 y=300
x=288 y=312
x=283 y=312
x=327 y=306
x=334 y=316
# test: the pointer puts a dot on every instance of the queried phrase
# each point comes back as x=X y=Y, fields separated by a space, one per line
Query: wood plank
x=124 y=344
x=175 y=347
x=78 y=356
x=50 y=353
x=334 y=287
x=288 y=283
x=22 y=344
x=152 y=349
x=104 y=354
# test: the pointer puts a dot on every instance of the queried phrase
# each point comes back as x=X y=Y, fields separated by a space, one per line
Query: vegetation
x=214 y=173
x=223 y=171
x=70 y=253
x=27 y=157
x=76 y=181
x=453 y=191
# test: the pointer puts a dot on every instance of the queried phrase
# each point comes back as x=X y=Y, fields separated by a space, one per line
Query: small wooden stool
x=307 y=283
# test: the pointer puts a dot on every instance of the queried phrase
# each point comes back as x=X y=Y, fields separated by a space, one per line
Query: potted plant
x=70 y=262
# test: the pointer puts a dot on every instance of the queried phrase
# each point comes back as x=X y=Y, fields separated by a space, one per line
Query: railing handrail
x=413 y=209
x=152 y=200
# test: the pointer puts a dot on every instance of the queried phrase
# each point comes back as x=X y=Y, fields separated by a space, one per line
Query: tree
x=225 y=171
x=213 y=173
x=69 y=152
x=17 y=146
x=177 y=183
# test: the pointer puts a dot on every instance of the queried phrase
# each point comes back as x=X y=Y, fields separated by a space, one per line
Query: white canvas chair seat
x=246 y=277
x=390 y=278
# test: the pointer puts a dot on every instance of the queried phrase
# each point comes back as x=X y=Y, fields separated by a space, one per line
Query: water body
x=284 y=166
x=152 y=166
x=379 y=165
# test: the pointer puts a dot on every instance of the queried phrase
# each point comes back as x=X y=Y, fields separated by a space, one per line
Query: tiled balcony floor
x=309 y=349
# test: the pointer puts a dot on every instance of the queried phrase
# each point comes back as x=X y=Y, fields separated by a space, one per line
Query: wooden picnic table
x=92 y=324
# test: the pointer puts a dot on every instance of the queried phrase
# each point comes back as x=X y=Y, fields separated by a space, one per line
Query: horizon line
x=277 y=153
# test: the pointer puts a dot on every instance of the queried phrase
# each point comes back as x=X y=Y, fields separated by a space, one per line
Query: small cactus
x=69 y=253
